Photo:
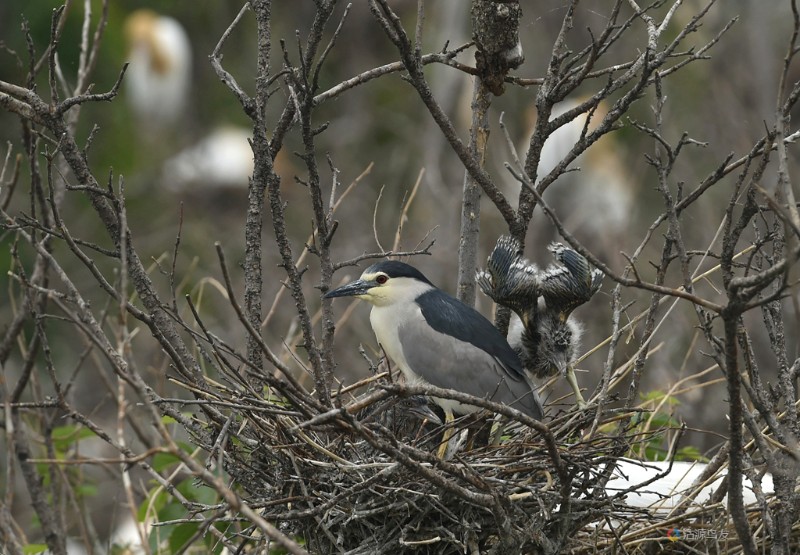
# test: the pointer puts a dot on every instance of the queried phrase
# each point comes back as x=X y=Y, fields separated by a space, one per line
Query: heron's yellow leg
x=447 y=434
x=498 y=428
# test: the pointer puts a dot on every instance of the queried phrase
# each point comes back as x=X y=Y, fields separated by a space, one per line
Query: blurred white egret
x=158 y=78
x=223 y=159
x=601 y=197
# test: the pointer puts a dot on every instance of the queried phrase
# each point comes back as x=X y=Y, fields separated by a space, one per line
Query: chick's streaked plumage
x=545 y=337
x=566 y=287
x=509 y=279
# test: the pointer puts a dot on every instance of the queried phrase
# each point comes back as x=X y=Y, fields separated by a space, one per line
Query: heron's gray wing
x=479 y=367
x=450 y=316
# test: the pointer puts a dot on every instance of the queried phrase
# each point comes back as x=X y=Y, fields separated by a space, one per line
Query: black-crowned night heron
x=544 y=336
x=436 y=339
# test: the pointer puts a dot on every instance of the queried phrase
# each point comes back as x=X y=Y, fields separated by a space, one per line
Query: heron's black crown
x=395 y=269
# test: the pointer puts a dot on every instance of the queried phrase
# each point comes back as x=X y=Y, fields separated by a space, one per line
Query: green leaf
x=66 y=436
x=690 y=453
x=197 y=492
x=205 y=495
x=43 y=470
x=86 y=490
x=172 y=511
x=657 y=396
x=180 y=535
x=158 y=537
x=661 y=420
x=655 y=453
x=33 y=548
x=156 y=500
x=162 y=461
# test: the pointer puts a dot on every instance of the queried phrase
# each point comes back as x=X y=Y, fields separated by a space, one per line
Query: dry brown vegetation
x=224 y=403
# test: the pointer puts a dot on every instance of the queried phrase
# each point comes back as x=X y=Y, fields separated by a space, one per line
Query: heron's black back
x=450 y=316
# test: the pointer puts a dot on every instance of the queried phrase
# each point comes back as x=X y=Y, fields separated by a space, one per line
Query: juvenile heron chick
x=545 y=337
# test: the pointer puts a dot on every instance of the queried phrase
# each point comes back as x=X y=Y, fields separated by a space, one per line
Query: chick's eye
x=381 y=279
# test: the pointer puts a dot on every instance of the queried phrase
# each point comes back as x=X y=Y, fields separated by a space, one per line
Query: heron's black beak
x=354 y=289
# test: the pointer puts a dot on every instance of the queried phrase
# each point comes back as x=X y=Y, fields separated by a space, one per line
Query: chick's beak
x=559 y=366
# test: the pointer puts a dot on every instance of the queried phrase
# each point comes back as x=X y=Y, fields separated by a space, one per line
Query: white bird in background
x=158 y=81
x=158 y=78
x=221 y=160
x=598 y=202
x=603 y=185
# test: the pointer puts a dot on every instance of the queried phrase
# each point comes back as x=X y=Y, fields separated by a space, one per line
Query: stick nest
x=364 y=478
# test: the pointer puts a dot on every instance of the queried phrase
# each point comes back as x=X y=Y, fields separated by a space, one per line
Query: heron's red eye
x=382 y=279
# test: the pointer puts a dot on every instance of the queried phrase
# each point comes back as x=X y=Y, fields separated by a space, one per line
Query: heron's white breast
x=386 y=322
